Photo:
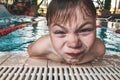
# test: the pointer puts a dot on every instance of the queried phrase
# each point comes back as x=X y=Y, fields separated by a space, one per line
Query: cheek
x=89 y=40
x=57 y=43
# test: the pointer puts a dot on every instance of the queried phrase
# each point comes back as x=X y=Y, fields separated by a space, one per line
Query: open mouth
x=75 y=55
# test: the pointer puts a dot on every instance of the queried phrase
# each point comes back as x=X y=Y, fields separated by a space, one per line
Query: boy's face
x=74 y=39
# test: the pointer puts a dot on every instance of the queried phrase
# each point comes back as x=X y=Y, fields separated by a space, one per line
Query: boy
x=72 y=33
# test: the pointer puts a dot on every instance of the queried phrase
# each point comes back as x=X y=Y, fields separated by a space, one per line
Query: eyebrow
x=59 y=26
x=83 y=24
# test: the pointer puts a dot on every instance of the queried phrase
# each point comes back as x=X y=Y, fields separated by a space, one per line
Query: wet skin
x=73 y=42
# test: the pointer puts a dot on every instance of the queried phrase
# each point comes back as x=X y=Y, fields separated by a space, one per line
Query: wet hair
x=64 y=10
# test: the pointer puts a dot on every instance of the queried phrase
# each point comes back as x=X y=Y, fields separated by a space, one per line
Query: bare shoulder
x=40 y=47
x=99 y=48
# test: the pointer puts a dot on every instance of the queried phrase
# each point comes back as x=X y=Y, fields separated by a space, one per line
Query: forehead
x=74 y=14
x=75 y=17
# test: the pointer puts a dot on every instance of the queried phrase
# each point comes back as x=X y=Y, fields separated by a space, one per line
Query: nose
x=74 y=41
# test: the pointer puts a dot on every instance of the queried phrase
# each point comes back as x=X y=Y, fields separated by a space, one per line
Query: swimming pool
x=19 y=40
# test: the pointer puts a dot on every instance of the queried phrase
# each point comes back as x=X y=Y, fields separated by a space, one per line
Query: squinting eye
x=59 y=32
x=85 y=30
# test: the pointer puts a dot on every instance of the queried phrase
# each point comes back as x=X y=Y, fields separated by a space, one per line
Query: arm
x=39 y=48
x=98 y=50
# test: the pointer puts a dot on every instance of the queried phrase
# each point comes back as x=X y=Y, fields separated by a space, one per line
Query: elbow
x=29 y=50
x=102 y=51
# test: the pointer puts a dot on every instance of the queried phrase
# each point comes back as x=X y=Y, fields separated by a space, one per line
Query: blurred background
x=38 y=7
x=23 y=21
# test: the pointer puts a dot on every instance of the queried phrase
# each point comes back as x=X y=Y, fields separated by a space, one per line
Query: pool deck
x=22 y=67
x=22 y=59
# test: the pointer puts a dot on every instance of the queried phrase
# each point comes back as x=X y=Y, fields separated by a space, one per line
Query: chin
x=73 y=61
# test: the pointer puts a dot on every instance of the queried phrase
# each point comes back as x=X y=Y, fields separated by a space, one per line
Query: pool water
x=110 y=39
x=19 y=40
